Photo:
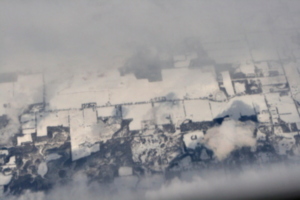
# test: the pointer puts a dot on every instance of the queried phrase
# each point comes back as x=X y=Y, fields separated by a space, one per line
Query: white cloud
x=250 y=183
x=229 y=136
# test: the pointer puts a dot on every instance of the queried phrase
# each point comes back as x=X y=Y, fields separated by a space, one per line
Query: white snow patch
x=53 y=156
x=3 y=152
x=108 y=111
x=139 y=113
x=293 y=77
x=84 y=138
x=238 y=106
x=227 y=83
x=263 y=67
x=272 y=80
x=42 y=169
x=44 y=120
x=248 y=69
x=24 y=139
x=125 y=171
x=166 y=112
x=239 y=88
x=112 y=89
x=285 y=106
x=90 y=116
x=193 y=139
x=198 y=110
x=4 y=180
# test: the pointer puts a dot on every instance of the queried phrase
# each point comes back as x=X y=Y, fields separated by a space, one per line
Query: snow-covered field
x=198 y=110
x=44 y=120
x=116 y=89
x=83 y=138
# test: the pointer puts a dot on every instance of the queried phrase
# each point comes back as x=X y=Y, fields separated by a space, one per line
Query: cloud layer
x=100 y=34
x=229 y=136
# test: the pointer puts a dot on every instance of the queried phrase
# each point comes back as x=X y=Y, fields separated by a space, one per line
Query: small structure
x=193 y=139
x=88 y=105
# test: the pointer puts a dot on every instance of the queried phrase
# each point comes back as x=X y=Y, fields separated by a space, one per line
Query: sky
x=60 y=35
